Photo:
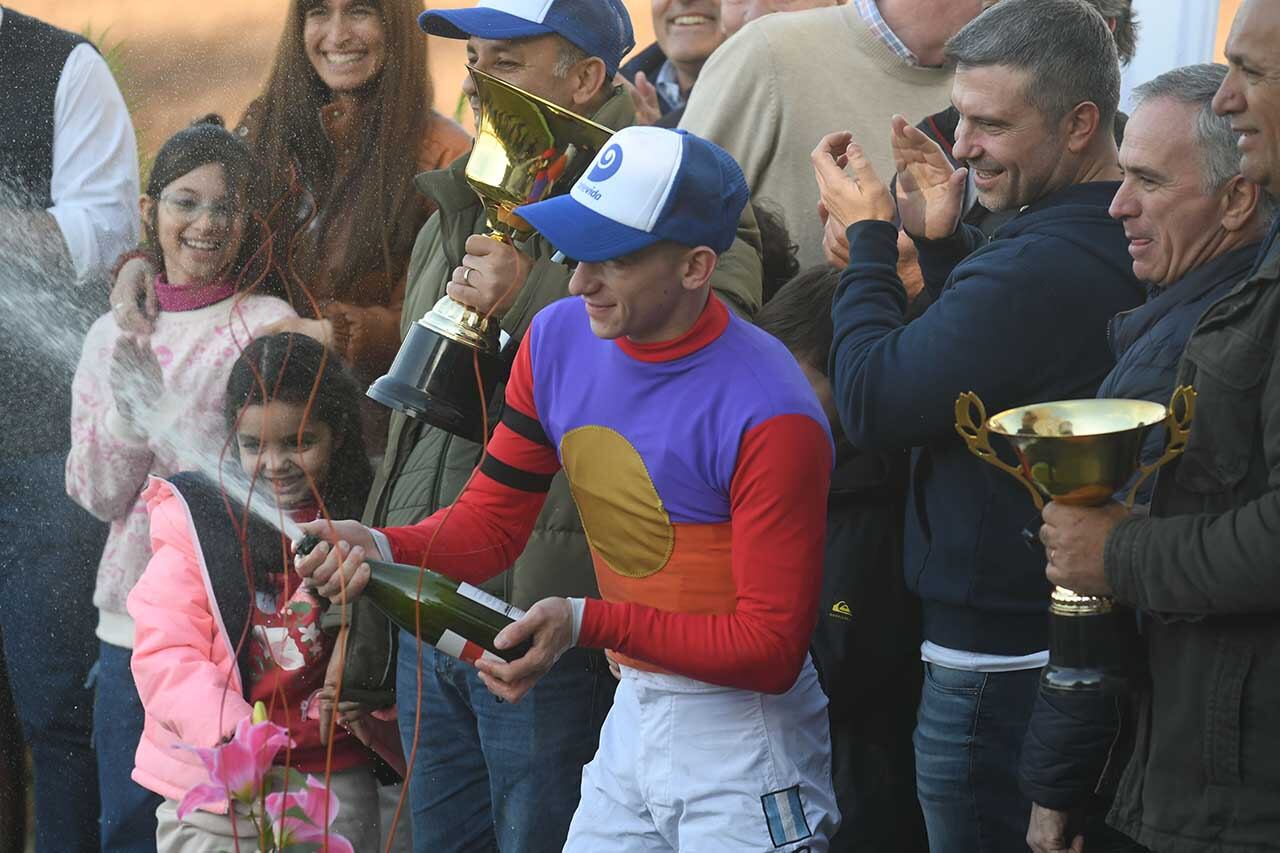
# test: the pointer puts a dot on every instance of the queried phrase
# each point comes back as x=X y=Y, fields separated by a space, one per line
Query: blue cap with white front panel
x=599 y=27
x=647 y=184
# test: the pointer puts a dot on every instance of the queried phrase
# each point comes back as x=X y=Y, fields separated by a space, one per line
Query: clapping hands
x=930 y=190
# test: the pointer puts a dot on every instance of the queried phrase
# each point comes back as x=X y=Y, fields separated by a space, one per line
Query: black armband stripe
x=525 y=426
x=517 y=478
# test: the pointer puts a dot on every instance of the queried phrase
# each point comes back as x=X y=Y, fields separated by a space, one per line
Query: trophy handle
x=974 y=432
x=1178 y=425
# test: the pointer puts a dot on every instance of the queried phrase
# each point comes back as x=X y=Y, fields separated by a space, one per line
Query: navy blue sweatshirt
x=1021 y=319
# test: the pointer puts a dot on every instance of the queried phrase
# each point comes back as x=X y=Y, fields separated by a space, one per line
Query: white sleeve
x=95 y=165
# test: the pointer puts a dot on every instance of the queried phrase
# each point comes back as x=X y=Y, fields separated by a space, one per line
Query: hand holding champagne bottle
x=337 y=570
x=457 y=618
x=546 y=632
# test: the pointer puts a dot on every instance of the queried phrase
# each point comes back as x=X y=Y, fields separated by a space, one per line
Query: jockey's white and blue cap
x=647 y=184
x=599 y=27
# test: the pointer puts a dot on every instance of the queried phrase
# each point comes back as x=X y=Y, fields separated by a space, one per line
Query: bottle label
x=479 y=596
x=457 y=646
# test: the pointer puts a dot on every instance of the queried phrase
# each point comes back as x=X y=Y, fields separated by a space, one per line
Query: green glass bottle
x=457 y=618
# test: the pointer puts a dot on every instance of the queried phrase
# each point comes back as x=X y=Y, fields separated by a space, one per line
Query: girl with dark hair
x=339 y=132
x=290 y=380
x=194 y=219
x=222 y=621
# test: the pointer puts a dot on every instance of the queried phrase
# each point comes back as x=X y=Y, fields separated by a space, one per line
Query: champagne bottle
x=457 y=618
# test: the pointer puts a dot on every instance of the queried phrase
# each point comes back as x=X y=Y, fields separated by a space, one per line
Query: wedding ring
x=466 y=275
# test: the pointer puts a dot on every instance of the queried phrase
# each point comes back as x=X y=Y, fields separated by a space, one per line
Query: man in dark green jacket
x=485 y=774
x=1203 y=567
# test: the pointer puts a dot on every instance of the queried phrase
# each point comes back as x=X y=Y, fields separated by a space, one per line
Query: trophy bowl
x=1081 y=453
x=526 y=149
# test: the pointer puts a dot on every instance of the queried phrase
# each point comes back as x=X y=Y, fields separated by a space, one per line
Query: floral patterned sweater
x=109 y=461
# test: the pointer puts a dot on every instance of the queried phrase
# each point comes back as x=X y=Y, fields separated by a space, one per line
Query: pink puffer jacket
x=184 y=663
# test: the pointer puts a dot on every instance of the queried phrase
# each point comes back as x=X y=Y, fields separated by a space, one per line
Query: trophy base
x=1088 y=647
x=1063 y=679
x=433 y=379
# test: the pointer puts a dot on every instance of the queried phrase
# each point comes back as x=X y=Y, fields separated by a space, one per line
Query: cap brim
x=581 y=233
x=484 y=23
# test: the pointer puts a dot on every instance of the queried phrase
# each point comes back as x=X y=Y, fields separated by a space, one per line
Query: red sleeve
x=485 y=530
x=778 y=502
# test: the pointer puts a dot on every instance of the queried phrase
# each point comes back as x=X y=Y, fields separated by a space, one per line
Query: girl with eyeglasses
x=340 y=130
x=142 y=406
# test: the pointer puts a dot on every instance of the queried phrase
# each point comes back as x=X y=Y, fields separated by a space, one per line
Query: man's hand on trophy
x=491 y=275
x=1074 y=537
x=848 y=199
x=930 y=190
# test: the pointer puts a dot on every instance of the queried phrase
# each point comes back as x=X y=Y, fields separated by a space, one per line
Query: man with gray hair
x=1019 y=319
x=1194 y=226
x=1202 y=564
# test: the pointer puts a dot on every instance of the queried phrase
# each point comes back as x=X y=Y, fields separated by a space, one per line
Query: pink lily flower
x=236 y=768
x=286 y=811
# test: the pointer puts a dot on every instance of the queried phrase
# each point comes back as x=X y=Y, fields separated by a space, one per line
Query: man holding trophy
x=1194 y=226
x=1202 y=568
x=487 y=773
x=1020 y=319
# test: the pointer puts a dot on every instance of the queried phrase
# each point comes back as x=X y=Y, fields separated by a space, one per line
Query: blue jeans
x=128 y=809
x=968 y=740
x=493 y=776
x=49 y=550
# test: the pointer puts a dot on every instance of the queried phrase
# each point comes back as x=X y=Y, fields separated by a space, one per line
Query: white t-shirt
x=979 y=662
x=95 y=164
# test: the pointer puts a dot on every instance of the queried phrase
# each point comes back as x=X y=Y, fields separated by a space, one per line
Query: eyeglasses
x=189 y=209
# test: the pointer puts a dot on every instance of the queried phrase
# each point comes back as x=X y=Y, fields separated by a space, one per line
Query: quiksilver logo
x=840 y=610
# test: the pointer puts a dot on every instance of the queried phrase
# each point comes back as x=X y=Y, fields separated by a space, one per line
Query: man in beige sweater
x=768 y=94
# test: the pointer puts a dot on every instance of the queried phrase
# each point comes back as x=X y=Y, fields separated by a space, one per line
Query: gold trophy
x=1080 y=453
x=526 y=149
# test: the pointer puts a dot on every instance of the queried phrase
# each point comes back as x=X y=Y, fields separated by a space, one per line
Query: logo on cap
x=608 y=164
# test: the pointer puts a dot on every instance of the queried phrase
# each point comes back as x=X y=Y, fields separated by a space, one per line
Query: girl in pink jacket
x=155 y=407
x=222 y=621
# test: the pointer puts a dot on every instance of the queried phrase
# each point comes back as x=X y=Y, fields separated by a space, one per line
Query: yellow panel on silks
x=640 y=555
x=622 y=514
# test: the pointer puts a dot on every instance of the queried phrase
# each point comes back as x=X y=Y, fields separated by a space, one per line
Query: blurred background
x=178 y=60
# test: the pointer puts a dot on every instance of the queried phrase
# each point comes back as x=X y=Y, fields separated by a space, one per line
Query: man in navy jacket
x=1019 y=319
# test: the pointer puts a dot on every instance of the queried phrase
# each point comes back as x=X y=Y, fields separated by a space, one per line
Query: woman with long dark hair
x=338 y=133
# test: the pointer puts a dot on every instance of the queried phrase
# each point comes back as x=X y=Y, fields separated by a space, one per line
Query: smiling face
x=1251 y=93
x=284 y=461
x=529 y=63
x=1172 y=224
x=198 y=224
x=345 y=41
x=1010 y=149
x=640 y=295
x=687 y=30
